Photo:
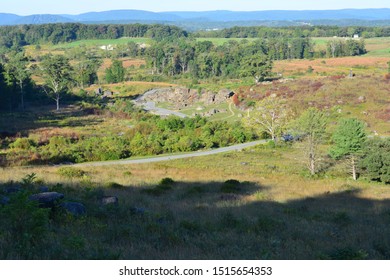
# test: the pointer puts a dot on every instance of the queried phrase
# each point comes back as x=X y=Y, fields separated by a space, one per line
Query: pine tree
x=349 y=139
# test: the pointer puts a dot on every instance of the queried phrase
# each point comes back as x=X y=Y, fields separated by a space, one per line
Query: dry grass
x=332 y=66
x=276 y=214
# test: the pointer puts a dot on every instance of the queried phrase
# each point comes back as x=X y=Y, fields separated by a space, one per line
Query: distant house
x=356 y=36
x=107 y=48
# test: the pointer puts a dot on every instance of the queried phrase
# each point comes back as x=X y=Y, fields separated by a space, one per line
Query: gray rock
x=43 y=189
x=4 y=200
x=13 y=189
x=74 y=208
x=108 y=200
x=136 y=210
x=47 y=199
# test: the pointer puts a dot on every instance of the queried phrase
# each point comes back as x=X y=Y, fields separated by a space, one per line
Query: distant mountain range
x=183 y=18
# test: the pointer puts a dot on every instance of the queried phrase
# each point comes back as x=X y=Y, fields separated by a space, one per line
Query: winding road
x=173 y=157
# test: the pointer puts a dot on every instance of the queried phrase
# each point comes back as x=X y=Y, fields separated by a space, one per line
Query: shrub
x=166 y=181
x=22 y=144
x=231 y=186
x=24 y=227
x=71 y=172
x=376 y=161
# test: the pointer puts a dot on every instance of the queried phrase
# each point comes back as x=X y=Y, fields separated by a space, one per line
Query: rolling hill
x=212 y=17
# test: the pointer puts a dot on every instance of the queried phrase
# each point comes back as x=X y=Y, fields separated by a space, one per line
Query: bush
x=22 y=144
x=71 y=172
x=376 y=161
x=231 y=186
x=24 y=227
x=166 y=181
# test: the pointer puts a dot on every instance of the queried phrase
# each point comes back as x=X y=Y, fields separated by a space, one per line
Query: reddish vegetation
x=384 y=114
x=235 y=100
x=47 y=133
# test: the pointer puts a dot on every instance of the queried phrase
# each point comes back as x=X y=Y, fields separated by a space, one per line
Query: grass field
x=101 y=42
x=273 y=212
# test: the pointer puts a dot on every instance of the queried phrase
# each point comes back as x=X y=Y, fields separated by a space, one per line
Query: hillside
x=211 y=19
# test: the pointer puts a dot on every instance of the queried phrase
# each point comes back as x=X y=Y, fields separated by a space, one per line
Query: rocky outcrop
x=182 y=97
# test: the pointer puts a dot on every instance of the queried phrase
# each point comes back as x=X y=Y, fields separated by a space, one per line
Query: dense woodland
x=295 y=31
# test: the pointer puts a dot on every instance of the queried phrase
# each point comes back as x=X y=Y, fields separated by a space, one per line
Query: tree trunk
x=21 y=95
x=354 y=175
x=58 y=103
x=312 y=164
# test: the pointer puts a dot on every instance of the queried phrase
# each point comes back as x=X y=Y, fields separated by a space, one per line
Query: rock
x=107 y=200
x=43 y=189
x=74 y=208
x=98 y=91
x=47 y=199
x=13 y=189
x=4 y=200
x=108 y=93
x=362 y=99
x=136 y=210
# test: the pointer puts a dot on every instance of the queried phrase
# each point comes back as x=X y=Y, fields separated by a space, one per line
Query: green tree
x=312 y=126
x=85 y=71
x=17 y=73
x=270 y=115
x=376 y=161
x=348 y=141
x=257 y=66
x=115 y=73
x=56 y=72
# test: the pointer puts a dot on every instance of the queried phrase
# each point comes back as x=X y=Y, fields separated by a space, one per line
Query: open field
x=101 y=42
x=333 y=66
x=274 y=213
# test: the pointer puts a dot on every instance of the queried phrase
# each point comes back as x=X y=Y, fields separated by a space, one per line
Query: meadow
x=259 y=203
x=253 y=204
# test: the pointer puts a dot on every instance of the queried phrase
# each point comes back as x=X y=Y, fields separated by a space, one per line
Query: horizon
x=24 y=7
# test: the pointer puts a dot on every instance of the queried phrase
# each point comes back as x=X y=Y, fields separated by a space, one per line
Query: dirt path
x=173 y=157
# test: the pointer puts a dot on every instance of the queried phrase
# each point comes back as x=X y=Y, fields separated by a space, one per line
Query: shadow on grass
x=195 y=220
x=13 y=124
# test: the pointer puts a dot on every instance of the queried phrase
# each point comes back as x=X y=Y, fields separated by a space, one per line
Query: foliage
x=257 y=66
x=231 y=186
x=340 y=47
x=348 y=141
x=71 y=172
x=85 y=71
x=376 y=160
x=115 y=73
x=270 y=115
x=17 y=72
x=24 y=225
x=311 y=126
x=56 y=71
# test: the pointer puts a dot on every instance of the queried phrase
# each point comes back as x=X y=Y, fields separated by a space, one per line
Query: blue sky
x=26 y=7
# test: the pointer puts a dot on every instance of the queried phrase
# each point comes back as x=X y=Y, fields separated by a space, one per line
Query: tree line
x=295 y=32
x=16 y=36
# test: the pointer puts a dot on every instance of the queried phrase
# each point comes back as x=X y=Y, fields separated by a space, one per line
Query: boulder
x=13 y=189
x=43 y=189
x=47 y=199
x=136 y=210
x=109 y=200
x=4 y=200
x=74 y=208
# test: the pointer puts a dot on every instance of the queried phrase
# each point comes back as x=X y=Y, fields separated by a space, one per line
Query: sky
x=28 y=7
